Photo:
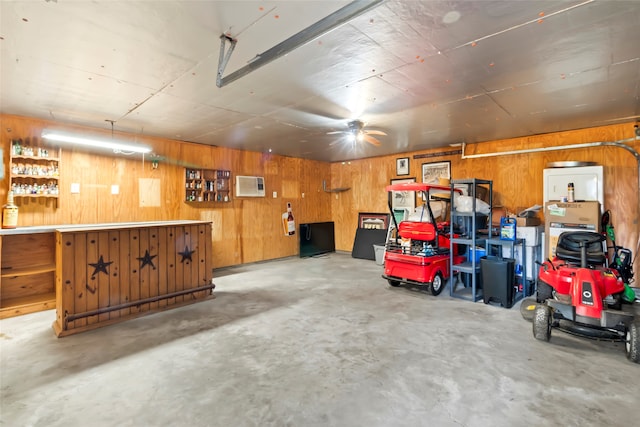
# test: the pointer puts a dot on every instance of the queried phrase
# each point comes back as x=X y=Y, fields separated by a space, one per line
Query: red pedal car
x=576 y=293
x=419 y=254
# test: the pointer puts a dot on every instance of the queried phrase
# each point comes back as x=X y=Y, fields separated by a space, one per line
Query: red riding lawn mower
x=578 y=293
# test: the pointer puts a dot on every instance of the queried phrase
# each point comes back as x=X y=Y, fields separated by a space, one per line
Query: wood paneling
x=248 y=230
x=245 y=230
x=517 y=178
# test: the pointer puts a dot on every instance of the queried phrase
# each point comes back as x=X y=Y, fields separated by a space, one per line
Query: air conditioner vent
x=249 y=186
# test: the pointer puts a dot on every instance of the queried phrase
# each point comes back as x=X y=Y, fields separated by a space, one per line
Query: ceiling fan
x=357 y=133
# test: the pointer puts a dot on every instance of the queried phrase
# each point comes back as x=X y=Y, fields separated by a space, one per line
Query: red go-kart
x=420 y=252
x=578 y=294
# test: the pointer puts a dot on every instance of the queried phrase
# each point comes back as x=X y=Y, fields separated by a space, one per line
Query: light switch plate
x=115 y=189
x=275 y=194
x=75 y=188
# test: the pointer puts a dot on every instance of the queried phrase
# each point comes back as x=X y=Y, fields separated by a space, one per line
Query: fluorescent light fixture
x=117 y=147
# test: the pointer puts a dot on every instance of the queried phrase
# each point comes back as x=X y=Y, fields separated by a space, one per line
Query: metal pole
x=71 y=317
x=323 y=26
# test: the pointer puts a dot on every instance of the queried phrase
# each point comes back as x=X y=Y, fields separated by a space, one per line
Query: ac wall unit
x=249 y=186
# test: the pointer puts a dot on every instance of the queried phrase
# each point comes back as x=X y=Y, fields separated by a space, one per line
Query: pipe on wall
x=620 y=144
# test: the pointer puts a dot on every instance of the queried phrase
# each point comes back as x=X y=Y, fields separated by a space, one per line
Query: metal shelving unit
x=469 y=224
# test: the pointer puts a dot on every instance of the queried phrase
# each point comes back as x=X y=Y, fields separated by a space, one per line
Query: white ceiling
x=428 y=73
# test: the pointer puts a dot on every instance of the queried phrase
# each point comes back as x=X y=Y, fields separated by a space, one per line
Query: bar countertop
x=101 y=226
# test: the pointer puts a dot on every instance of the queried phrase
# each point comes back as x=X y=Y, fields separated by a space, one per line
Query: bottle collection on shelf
x=193 y=174
x=25 y=150
x=50 y=188
x=35 y=169
x=207 y=185
x=30 y=170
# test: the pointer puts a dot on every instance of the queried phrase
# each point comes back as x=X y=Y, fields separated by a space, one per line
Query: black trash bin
x=498 y=280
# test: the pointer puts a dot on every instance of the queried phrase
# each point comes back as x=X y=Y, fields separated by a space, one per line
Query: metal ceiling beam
x=224 y=57
x=337 y=18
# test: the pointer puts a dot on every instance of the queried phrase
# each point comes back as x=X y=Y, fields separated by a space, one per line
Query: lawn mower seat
x=570 y=242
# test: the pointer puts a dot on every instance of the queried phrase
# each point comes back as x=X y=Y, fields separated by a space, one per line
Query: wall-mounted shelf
x=33 y=172
x=333 y=190
x=207 y=185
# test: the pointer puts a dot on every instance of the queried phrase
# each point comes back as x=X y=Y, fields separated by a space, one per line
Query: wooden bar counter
x=107 y=273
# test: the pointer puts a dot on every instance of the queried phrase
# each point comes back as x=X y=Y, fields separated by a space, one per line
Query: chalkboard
x=364 y=241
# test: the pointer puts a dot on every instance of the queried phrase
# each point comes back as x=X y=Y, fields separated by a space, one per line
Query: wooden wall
x=244 y=230
x=517 y=179
x=248 y=230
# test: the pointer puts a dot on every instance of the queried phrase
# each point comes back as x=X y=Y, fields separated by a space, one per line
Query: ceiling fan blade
x=374 y=132
x=336 y=132
x=371 y=140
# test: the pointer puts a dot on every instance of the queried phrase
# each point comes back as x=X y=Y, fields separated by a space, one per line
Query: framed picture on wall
x=402 y=166
x=371 y=220
x=403 y=199
x=432 y=172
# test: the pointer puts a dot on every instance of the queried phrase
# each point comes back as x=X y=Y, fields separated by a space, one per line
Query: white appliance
x=587 y=180
x=249 y=186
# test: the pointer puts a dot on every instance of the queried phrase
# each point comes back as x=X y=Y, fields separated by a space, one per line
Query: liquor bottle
x=291 y=224
x=17 y=148
x=9 y=213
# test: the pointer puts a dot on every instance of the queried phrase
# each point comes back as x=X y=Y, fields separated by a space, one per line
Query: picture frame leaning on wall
x=373 y=220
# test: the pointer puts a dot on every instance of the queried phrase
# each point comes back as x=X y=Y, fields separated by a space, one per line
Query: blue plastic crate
x=476 y=252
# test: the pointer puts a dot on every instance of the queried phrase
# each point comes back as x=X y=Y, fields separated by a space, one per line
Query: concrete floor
x=313 y=342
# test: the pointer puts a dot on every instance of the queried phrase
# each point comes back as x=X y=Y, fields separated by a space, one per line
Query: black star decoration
x=100 y=266
x=186 y=254
x=147 y=259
